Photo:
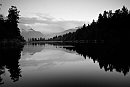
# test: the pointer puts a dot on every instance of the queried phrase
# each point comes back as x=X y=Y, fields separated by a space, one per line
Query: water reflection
x=66 y=60
x=48 y=55
x=109 y=56
x=9 y=60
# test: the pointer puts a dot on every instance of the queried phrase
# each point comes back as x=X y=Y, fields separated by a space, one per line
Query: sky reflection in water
x=51 y=65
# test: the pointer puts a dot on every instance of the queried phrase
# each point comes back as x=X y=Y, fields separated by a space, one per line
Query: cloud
x=46 y=28
x=47 y=24
x=46 y=17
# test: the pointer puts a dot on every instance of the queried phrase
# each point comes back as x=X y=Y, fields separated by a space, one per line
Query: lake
x=63 y=65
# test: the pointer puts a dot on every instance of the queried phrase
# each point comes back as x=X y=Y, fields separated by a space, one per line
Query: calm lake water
x=57 y=65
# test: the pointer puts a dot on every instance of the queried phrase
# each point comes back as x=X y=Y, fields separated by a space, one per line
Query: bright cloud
x=47 y=24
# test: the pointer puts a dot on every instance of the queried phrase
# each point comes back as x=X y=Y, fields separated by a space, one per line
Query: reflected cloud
x=49 y=56
x=53 y=54
x=45 y=59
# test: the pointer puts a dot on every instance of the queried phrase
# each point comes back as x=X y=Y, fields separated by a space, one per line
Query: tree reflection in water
x=9 y=59
x=109 y=56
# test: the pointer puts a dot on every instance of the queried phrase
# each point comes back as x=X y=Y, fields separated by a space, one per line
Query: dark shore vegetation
x=111 y=27
x=11 y=45
x=9 y=31
x=106 y=41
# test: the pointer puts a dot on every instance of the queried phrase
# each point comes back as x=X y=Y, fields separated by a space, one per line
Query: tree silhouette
x=110 y=27
x=12 y=20
x=9 y=27
x=13 y=15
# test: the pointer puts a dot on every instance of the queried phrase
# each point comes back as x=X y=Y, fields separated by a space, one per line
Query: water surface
x=38 y=65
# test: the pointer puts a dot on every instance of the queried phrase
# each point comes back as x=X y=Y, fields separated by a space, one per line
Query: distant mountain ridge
x=60 y=33
x=30 y=33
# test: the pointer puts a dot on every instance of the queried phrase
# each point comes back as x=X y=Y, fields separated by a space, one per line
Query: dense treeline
x=9 y=26
x=109 y=26
x=36 y=39
x=110 y=57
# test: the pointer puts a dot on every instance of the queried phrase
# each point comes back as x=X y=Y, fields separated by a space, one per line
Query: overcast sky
x=54 y=11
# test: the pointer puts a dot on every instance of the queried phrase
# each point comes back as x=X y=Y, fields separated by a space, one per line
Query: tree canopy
x=110 y=26
x=9 y=27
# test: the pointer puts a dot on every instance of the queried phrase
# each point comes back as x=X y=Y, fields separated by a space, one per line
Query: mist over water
x=64 y=65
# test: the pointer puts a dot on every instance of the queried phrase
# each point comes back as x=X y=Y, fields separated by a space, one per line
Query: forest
x=110 y=27
x=9 y=30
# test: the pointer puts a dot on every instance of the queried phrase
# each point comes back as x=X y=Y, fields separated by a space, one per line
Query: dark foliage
x=9 y=28
x=109 y=27
x=36 y=39
x=106 y=40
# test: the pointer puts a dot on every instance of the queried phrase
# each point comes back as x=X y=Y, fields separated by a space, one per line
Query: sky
x=44 y=15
